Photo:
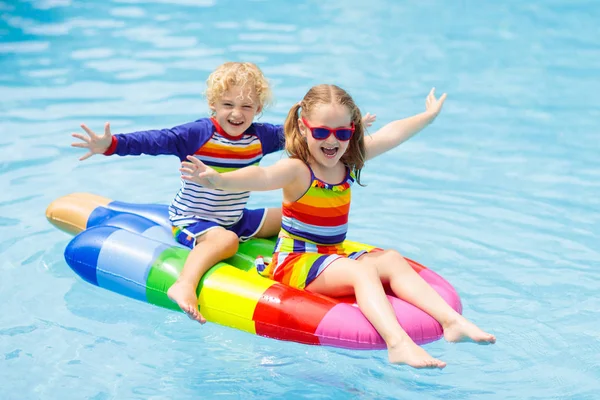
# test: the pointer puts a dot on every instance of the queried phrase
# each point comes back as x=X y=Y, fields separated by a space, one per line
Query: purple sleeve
x=181 y=140
x=271 y=137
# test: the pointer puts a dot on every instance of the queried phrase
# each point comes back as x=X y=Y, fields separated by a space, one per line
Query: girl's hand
x=368 y=119
x=94 y=143
x=196 y=171
x=433 y=105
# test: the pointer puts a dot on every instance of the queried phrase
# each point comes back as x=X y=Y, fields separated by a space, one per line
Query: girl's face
x=327 y=152
x=236 y=109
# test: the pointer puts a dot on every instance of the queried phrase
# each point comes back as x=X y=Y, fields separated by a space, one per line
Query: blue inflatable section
x=95 y=254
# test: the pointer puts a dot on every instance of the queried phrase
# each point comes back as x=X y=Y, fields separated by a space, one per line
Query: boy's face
x=235 y=110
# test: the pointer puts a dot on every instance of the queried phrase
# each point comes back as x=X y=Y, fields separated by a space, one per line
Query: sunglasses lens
x=320 y=133
x=344 y=134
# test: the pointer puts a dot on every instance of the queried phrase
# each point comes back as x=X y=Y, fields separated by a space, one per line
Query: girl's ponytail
x=291 y=122
x=295 y=143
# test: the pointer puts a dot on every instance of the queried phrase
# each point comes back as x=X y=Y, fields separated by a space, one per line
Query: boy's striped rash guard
x=206 y=140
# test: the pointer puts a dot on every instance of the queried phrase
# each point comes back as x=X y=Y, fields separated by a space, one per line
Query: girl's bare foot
x=462 y=330
x=184 y=294
x=407 y=352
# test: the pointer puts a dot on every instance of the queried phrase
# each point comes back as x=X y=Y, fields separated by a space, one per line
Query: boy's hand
x=196 y=171
x=94 y=143
x=368 y=119
x=433 y=105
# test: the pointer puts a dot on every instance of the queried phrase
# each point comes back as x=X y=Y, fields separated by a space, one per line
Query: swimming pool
x=501 y=195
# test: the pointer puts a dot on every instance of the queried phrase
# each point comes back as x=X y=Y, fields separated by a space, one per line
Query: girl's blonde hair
x=295 y=143
x=241 y=74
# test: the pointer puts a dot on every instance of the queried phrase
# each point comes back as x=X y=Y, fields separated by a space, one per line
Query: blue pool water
x=501 y=195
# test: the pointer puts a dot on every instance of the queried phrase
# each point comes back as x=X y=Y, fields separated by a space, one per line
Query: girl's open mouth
x=330 y=152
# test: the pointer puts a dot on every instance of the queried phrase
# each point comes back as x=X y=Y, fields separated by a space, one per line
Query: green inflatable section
x=168 y=265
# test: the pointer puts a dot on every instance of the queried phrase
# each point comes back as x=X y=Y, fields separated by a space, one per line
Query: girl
x=325 y=140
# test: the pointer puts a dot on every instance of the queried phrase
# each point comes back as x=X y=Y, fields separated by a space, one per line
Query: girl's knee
x=393 y=257
x=394 y=254
x=392 y=262
x=365 y=273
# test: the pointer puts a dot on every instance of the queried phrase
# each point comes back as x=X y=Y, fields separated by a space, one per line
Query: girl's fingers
x=107 y=129
x=186 y=164
x=80 y=145
x=440 y=102
x=193 y=178
x=195 y=161
x=431 y=95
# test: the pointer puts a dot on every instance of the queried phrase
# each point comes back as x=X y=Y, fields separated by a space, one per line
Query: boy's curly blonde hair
x=241 y=74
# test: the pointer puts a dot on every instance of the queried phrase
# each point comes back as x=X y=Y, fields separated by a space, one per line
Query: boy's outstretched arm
x=95 y=144
x=180 y=140
x=397 y=132
x=251 y=178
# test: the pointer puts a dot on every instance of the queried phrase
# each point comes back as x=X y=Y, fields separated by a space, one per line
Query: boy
x=209 y=221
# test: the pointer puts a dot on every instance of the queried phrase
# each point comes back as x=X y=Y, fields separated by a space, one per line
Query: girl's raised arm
x=397 y=132
x=252 y=178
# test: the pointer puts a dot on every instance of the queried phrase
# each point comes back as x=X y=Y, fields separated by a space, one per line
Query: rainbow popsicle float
x=129 y=249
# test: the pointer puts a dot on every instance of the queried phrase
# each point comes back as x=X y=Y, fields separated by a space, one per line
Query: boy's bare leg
x=213 y=246
x=272 y=224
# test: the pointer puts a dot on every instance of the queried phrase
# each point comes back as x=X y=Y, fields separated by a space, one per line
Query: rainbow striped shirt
x=223 y=153
x=320 y=216
x=206 y=140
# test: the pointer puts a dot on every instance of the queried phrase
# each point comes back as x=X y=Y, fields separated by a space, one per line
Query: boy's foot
x=410 y=354
x=462 y=330
x=184 y=294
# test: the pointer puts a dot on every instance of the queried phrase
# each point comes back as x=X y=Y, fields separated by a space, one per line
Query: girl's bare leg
x=346 y=276
x=409 y=286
